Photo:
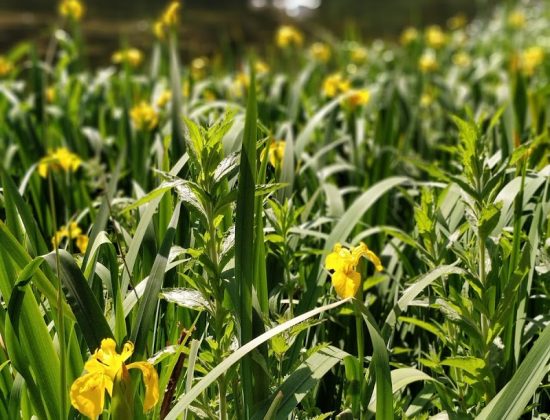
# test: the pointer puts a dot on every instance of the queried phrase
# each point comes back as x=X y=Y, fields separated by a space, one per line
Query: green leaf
x=81 y=299
x=511 y=401
x=238 y=354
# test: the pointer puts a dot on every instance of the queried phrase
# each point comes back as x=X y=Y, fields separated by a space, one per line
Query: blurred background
x=208 y=25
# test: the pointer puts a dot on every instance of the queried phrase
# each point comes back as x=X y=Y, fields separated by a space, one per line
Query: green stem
x=360 y=349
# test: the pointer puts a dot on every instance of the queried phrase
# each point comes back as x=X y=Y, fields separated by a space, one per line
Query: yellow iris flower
x=289 y=36
x=164 y=98
x=6 y=66
x=88 y=391
x=335 y=84
x=428 y=63
x=358 y=97
x=144 y=116
x=345 y=279
x=320 y=52
x=61 y=158
x=72 y=231
x=358 y=54
x=516 y=19
x=131 y=56
x=531 y=59
x=409 y=35
x=72 y=9
x=168 y=19
x=435 y=37
x=276 y=152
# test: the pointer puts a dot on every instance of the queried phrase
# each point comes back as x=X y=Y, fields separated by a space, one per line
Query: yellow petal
x=151 y=380
x=333 y=262
x=346 y=283
x=88 y=394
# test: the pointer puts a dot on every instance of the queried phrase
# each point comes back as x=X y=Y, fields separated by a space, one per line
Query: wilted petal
x=151 y=380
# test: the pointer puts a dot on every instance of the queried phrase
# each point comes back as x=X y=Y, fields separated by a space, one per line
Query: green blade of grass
x=238 y=354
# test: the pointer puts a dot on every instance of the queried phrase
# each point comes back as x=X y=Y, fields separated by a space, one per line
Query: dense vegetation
x=335 y=230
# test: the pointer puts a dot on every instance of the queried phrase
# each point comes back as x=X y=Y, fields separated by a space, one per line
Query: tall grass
x=190 y=208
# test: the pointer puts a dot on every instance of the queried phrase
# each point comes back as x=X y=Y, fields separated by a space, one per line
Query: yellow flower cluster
x=168 y=20
x=345 y=279
x=320 y=52
x=358 y=97
x=462 y=59
x=6 y=66
x=72 y=9
x=409 y=35
x=335 y=84
x=144 y=116
x=164 y=98
x=88 y=392
x=61 y=158
x=435 y=37
x=72 y=231
x=516 y=19
x=131 y=56
x=531 y=59
x=289 y=36
x=427 y=63
x=358 y=54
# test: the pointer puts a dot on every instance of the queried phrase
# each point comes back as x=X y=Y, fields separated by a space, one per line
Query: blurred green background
x=208 y=25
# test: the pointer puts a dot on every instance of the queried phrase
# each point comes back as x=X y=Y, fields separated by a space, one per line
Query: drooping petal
x=88 y=394
x=346 y=283
x=375 y=260
x=127 y=350
x=151 y=380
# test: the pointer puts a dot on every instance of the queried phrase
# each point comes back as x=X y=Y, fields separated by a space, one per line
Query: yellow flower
x=164 y=98
x=531 y=59
x=435 y=37
x=345 y=279
x=358 y=97
x=462 y=59
x=50 y=94
x=6 y=66
x=289 y=36
x=131 y=56
x=276 y=152
x=335 y=84
x=409 y=35
x=144 y=116
x=61 y=158
x=516 y=19
x=320 y=51
x=168 y=19
x=88 y=392
x=261 y=67
x=72 y=9
x=72 y=231
x=359 y=54
x=186 y=88
x=198 y=67
x=239 y=84
x=426 y=99
x=457 y=22
x=427 y=63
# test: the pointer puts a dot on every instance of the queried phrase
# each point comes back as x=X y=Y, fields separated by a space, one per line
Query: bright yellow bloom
x=516 y=19
x=168 y=19
x=435 y=37
x=50 y=94
x=320 y=52
x=6 y=66
x=462 y=59
x=144 y=116
x=335 y=84
x=88 y=391
x=531 y=59
x=164 y=98
x=61 y=158
x=72 y=9
x=131 y=56
x=72 y=231
x=409 y=35
x=457 y=22
x=358 y=54
x=289 y=36
x=239 y=84
x=345 y=279
x=358 y=97
x=261 y=67
x=276 y=152
x=426 y=99
x=198 y=67
x=427 y=63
